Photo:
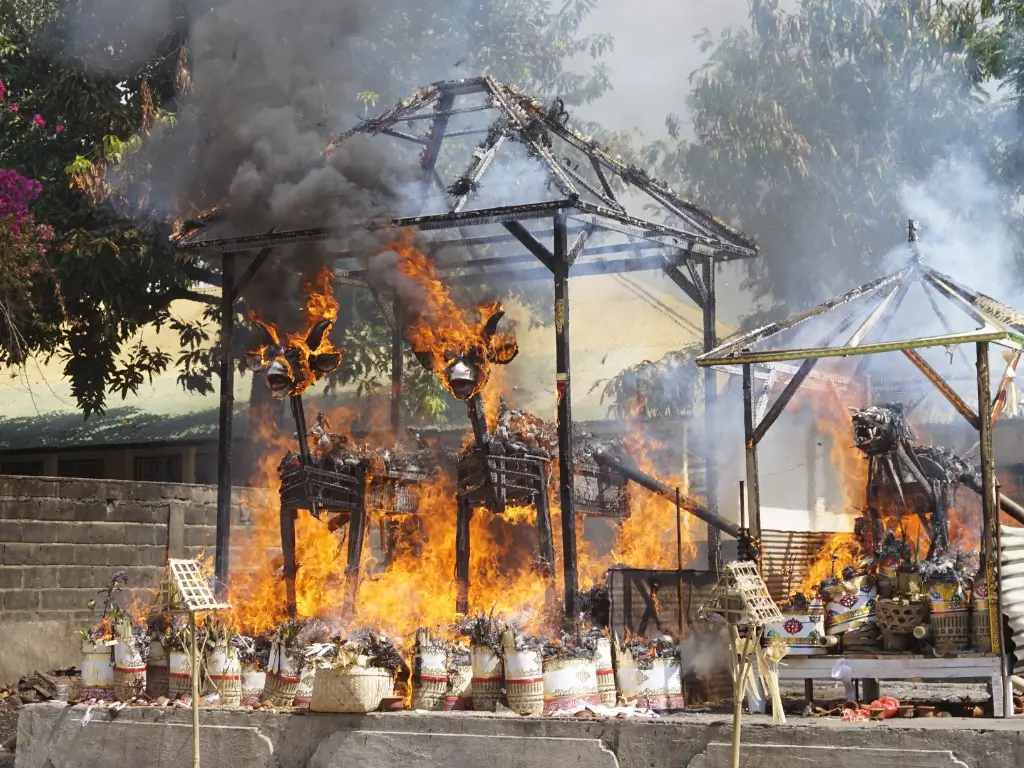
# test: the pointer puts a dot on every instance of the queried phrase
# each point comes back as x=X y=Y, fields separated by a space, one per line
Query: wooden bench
x=870 y=669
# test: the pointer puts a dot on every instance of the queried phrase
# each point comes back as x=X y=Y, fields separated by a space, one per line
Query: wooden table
x=907 y=667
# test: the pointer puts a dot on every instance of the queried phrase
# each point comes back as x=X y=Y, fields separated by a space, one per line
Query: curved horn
x=426 y=360
x=317 y=334
x=492 y=324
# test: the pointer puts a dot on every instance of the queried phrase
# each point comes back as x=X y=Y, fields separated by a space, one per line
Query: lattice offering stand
x=184 y=590
x=742 y=603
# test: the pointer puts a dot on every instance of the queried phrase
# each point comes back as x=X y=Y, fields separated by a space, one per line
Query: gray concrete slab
x=53 y=736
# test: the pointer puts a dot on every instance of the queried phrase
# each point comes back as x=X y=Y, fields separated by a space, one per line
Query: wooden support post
x=222 y=554
x=195 y=668
x=563 y=391
x=753 y=491
x=710 y=395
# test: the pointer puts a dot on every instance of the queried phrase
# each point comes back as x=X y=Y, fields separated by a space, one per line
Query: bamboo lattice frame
x=183 y=589
x=741 y=598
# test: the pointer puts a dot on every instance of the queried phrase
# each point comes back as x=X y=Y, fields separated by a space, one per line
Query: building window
x=88 y=468
x=206 y=468
x=158 y=469
x=30 y=468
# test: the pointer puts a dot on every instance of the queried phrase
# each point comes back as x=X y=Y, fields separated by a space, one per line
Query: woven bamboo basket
x=350 y=689
x=897 y=619
x=224 y=676
x=951 y=630
x=156 y=671
x=129 y=671
x=280 y=688
x=459 y=696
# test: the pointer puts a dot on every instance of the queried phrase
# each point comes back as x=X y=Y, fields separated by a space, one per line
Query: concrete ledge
x=53 y=736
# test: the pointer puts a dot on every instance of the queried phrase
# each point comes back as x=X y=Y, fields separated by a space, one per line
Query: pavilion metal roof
x=528 y=165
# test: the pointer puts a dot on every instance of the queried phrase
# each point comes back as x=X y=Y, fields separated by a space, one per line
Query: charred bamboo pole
x=463 y=513
x=648 y=482
x=563 y=388
x=222 y=556
x=989 y=511
x=679 y=563
x=397 y=367
x=299 y=414
x=750 y=441
x=940 y=384
x=1007 y=505
x=288 y=553
x=710 y=395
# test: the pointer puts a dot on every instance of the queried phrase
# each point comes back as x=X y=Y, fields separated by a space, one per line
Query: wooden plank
x=895 y=668
x=645 y=602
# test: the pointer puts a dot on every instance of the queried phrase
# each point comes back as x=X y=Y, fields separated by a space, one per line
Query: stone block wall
x=61 y=540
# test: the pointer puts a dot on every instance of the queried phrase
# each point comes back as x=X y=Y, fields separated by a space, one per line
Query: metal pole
x=397 y=367
x=679 y=563
x=753 y=492
x=195 y=667
x=710 y=395
x=563 y=391
x=222 y=558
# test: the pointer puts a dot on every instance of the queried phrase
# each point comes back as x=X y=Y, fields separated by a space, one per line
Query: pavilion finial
x=913 y=232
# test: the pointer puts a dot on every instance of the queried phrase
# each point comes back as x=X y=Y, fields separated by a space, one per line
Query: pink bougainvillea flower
x=14 y=107
x=38 y=120
x=3 y=89
x=59 y=129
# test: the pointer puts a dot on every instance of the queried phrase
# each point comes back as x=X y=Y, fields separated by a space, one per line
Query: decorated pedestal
x=282 y=677
x=801 y=632
x=430 y=679
x=97 y=671
x=524 y=681
x=981 y=625
x=850 y=605
x=605 y=672
x=487 y=678
x=459 y=695
x=156 y=670
x=950 y=616
x=129 y=671
x=179 y=674
x=568 y=683
x=224 y=675
x=254 y=680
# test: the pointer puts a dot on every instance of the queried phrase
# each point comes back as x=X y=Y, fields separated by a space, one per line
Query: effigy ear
x=428 y=360
x=502 y=348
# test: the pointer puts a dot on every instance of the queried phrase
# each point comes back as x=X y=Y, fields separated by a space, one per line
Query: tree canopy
x=807 y=125
x=112 y=75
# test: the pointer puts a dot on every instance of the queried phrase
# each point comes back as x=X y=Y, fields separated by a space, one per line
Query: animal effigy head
x=292 y=367
x=464 y=363
x=878 y=429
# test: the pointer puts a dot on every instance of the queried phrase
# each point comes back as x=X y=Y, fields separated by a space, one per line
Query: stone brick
x=134 y=555
x=200 y=515
x=67 y=599
x=134 y=512
x=40 y=577
x=104 y=533
x=91 y=554
x=10 y=530
x=90 y=511
x=11 y=577
x=20 y=599
x=81 y=488
x=200 y=536
x=80 y=577
x=205 y=495
x=156 y=491
x=47 y=532
x=16 y=509
x=38 y=554
x=137 y=533
x=29 y=486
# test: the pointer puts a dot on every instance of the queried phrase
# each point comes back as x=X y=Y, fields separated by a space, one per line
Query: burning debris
x=645 y=652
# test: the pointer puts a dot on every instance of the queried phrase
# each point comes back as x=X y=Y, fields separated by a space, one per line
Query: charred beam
x=753 y=480
x=784 y=398
x=655 y=486
x=250 y=271
x=676 y=276
x=533 y=245
x=947 y=391
x=709 y=310
x=1007 y=505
